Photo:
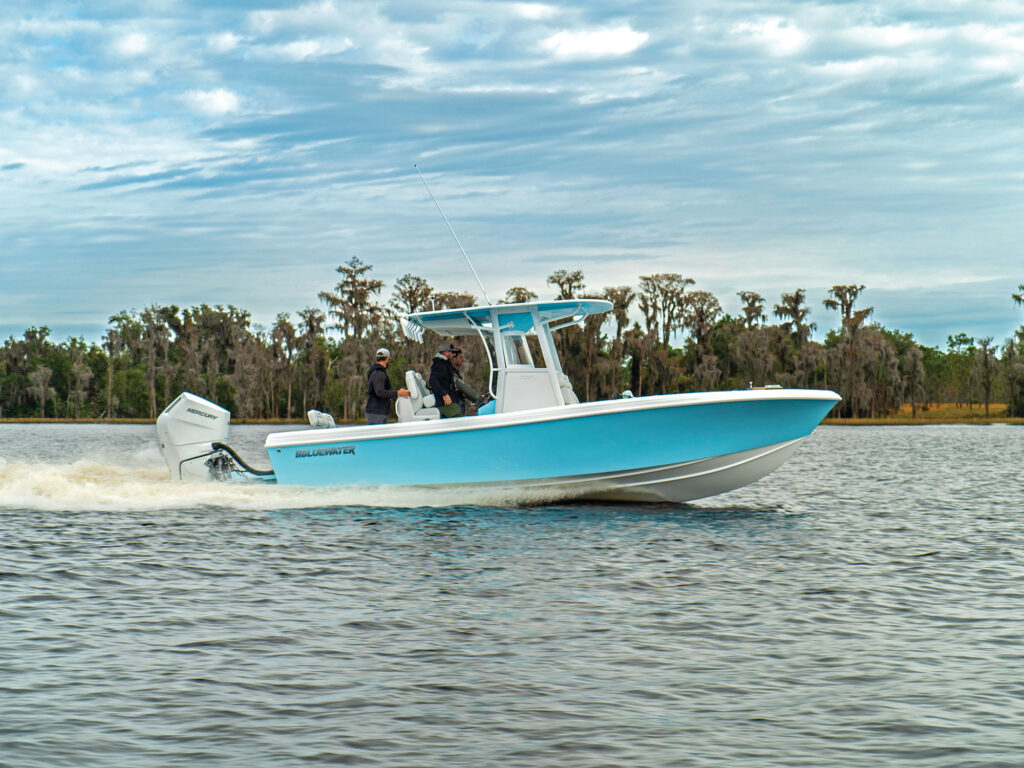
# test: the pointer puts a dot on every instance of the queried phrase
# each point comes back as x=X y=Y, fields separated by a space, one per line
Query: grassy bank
x=942 y=413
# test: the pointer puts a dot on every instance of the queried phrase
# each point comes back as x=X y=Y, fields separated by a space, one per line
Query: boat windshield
x=517 y=351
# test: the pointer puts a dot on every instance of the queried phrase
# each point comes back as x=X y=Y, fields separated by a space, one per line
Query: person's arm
x=467 y=390
x=377 y=382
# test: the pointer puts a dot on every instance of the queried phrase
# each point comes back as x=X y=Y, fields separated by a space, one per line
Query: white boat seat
x=568 y=395
x=419 y=405
x=320 y=420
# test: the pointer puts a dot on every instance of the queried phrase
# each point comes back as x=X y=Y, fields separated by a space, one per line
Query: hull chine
x=674 y=483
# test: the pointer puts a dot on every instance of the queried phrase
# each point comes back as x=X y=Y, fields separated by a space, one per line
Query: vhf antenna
x=486 y=297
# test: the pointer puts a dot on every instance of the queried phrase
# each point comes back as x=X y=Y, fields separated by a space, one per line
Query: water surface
x=859 y=607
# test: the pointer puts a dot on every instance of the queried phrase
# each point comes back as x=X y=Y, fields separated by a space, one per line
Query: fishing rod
x=471 y=267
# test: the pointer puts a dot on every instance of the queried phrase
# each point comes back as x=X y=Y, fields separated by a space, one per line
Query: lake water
x=862 y=606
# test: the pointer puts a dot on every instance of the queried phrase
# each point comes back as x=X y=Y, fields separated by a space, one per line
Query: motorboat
x=535 y=435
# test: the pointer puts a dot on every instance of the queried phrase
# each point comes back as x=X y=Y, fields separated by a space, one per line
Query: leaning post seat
x=419 y=405
x=568 y=395
x=320 y=420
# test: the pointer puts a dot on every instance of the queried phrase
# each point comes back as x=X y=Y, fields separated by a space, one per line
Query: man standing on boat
x=463 y=391
x=442 y=381
x=380 y=395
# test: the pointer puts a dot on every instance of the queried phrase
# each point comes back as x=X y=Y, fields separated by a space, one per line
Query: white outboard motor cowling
x=186 y=429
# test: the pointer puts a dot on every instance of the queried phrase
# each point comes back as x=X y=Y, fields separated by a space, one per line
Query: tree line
x=663 y=335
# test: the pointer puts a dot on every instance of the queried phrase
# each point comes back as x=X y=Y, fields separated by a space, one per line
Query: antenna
x=472 y=269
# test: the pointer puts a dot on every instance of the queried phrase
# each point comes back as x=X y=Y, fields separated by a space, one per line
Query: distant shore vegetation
x=682 y=341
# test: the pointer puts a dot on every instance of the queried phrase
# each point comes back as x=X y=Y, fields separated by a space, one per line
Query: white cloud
x=622 y=83
x=25 y=84
x=132 y=44
x=323 y=15
x=997 y=39
x=885 y=65
x=408 y=58
x=300 y=50
x=1001 y=64
x=485 y=88
x=860 y=67
x=139 y=77
x=224 y=42
x=1002 y=48
x=893 y=35
x=74 y=74
x=219 y=101
x=780 y=37
x=317 y=30
x=533 y=11
x=52 y=27
x=263 y=22
x=594 y=43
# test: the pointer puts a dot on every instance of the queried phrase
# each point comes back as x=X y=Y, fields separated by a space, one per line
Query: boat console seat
x=320 y=420
x=568 y=395
x=419 y=405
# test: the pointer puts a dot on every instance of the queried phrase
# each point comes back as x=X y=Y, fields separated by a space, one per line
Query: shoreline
x=909 y=421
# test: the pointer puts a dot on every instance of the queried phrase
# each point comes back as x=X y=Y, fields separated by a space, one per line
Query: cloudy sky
x=222 y=151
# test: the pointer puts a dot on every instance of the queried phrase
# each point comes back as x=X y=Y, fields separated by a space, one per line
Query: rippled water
x=862 y=606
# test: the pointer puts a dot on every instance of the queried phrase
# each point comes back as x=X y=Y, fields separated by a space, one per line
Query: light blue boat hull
x=666 y=448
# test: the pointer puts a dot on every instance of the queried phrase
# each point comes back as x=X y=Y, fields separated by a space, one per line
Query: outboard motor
x=187 y=429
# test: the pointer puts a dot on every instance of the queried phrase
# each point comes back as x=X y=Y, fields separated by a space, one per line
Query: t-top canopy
x=453 y=322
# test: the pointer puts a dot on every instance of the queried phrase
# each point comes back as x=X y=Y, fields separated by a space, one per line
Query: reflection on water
x=859 y=607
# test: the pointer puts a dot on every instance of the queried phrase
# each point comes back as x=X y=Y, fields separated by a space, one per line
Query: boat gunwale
x=364 y=432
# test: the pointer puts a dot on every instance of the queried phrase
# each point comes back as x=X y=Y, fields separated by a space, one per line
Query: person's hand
x=447 y=399
x=403 y=393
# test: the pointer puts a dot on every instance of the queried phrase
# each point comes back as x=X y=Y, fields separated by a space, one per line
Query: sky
x=229 y=152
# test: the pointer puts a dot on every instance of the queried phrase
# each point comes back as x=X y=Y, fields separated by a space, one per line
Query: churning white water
x=52 y=467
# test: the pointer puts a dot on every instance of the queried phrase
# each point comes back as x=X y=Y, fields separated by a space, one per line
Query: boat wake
x=95 y=486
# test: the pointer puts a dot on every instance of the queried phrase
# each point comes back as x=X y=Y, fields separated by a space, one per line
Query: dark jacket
x=442 y=379
x=458 y=396
x=380 y=395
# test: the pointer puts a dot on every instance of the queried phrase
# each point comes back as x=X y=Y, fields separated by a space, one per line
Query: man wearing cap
x=442 y=381
x=378 y=400
x=463 y=391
